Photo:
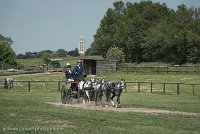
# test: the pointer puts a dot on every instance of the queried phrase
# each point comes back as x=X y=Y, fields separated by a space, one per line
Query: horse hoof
x=118 y=107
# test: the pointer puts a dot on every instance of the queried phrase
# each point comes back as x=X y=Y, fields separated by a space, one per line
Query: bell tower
x=81 y=46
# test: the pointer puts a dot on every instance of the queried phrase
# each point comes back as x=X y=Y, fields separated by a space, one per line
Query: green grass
x=156 y=79
x=69 y=59
x=28 y=110
x=160 y=101
x=20 y=108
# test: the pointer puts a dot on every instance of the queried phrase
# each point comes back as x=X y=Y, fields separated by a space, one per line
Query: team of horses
x=93 y=90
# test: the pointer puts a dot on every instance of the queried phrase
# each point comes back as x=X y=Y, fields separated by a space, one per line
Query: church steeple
x=81 y=46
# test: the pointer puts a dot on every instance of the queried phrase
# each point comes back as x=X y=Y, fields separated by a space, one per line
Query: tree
x=151 y=32
x=70 y=52
x=55 y=64
x=88 y=52
x=114 y=53
x=7 y=55
x=44 y=52
x=46 y=59
x=61 y=52
x=75 y=53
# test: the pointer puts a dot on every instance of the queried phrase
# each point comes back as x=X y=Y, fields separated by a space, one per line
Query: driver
x=79 y=71
x=68 y=73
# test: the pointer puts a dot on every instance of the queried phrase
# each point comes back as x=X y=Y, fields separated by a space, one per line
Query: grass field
x=22 y=111
x=69 y=59
x=28 y=110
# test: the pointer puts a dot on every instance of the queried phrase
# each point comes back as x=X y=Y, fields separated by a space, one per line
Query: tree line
x=8 y=56
x=150 y=32
x=48 y=53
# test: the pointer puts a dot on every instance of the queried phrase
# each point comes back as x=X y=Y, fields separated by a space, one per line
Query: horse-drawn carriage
x=70 y=91
x=92 y=90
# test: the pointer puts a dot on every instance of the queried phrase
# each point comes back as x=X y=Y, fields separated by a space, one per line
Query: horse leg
x=96 y=97
x=88 y=96
x=108 y=97
x=84 y=98
x=118 y=101
x=113 y=103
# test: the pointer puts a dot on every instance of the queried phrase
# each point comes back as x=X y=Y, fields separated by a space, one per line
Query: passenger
x=68 y=73
x=79 y=71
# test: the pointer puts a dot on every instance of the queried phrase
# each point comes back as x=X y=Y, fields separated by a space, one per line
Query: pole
x=178 y=89
x=59 y=86
x=163 y=87
x=138 y=86
x=151 y=87
x=193 y=89
x=29 y=86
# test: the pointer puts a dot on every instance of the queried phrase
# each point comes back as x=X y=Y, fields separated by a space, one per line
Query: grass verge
x=28 y=110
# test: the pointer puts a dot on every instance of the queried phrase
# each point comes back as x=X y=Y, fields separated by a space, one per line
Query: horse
x=102 y=88
x=87 y=87
x=116 y=90
x=8 y=84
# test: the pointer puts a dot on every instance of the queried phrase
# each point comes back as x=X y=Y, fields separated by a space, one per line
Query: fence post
x=125 y=86
x=178 y=89
x=44 y=86
x=59 y=86
x=29 y=86
x=163 y=87
x=167 y=69
x=127 y=68
x=194 y=69
x=138 y=86
x=151 y=87
x=193 y=89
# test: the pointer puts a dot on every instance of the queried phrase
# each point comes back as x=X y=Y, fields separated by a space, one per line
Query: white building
x=81 y=46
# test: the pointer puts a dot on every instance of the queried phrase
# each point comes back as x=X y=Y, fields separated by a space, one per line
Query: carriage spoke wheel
x=64 y=96
x=69 y=95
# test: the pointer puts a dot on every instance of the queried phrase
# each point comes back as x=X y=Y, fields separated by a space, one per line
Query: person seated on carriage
x=79 y=71
x=69 y=73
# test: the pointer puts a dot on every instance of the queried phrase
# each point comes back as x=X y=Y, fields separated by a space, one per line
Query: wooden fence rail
x=160 y=69
x=164 y=86
x=60 y=83
x=29 y=83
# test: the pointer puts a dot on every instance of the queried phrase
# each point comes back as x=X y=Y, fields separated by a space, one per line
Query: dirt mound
x=122 y=109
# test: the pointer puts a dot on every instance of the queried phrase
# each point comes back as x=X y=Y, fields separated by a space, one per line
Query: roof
x=98 y=59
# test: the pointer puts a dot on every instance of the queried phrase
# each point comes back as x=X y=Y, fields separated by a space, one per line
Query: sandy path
x=137 y=110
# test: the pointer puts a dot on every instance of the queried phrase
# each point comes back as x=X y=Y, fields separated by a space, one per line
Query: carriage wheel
x=64 y=95
x=69 y=95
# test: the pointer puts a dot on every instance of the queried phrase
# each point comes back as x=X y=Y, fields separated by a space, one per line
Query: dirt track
x=137 y=110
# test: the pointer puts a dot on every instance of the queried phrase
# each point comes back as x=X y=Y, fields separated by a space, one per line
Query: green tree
x=44 y=52
x=114 y=53
x=7 y=55
x=75 y=53
x=55 y=64
x=148 y=31
x=46 y=59
x=61 y=52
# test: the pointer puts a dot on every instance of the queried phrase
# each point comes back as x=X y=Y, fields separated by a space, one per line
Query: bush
x=114 y=53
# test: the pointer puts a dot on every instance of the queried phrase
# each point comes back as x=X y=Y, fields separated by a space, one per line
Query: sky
x=36 y=25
